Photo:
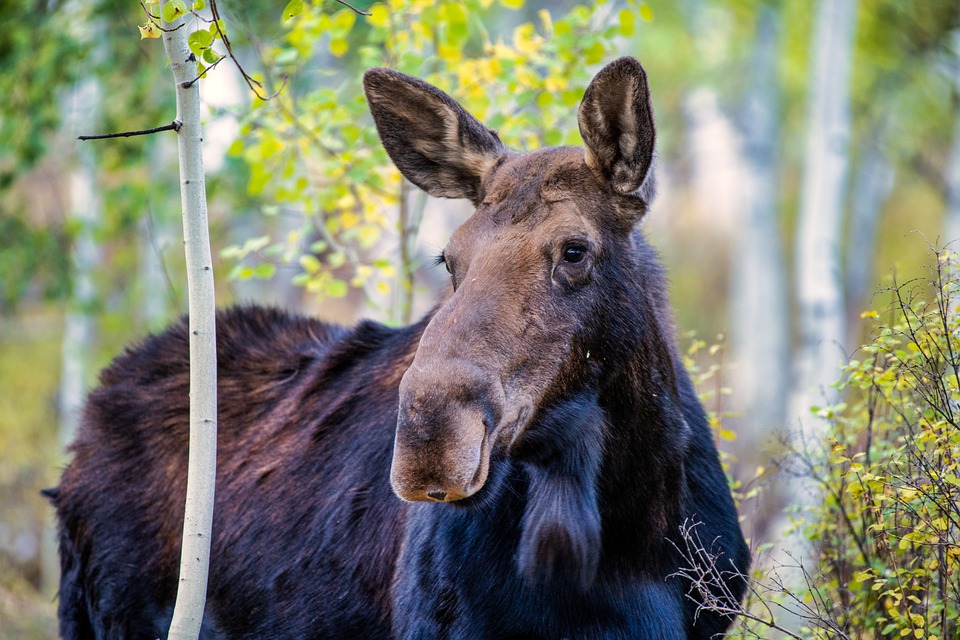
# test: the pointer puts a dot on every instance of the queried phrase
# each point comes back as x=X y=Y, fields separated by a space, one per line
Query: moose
x=517 y=464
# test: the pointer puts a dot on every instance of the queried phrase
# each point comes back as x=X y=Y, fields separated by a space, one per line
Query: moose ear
x=616 y=123
x=434 y=142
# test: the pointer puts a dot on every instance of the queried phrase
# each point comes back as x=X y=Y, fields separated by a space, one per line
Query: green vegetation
x=888 y=534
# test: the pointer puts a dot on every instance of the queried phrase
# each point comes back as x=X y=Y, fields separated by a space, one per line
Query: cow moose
x=517 y=464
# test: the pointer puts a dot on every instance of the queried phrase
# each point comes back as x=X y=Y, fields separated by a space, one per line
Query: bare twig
x=255 y=85
x=155 y=20
x=352 y=8
x=187 y=85
x=173 y=126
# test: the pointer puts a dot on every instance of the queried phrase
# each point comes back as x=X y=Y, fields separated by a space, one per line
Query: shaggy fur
x=542 y=403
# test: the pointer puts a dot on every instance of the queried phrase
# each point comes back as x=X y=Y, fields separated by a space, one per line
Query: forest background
x=751 y=97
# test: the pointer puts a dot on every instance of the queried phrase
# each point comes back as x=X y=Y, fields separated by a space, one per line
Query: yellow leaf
x=339 y=46
x=512 y=4
x=869 y=314
x=449 y=53
x=628 y=24
x=368 y=235
x=348 y=219
x=149 y=30
x=646 y=12
x=379 y=16
x=547 y=21
x=555 y=83
x=525 y=39
x=917 y=620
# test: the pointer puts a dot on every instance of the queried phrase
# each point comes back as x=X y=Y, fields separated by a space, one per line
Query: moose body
x=542 y=403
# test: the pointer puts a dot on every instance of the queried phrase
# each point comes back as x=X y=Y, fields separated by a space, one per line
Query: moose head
x=532 y=270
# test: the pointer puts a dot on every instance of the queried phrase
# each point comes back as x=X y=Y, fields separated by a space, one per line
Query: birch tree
x=818 y=271
x=819 y=283
x=871 y=186
x=759 y=327
x=952 y=225
x=201 y=474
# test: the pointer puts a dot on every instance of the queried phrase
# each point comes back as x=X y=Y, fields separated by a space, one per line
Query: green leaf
x=337 y=288
x=173 y=9
x=286 y=57
x=199 y=41
x=264 y=270
x=293 y=8
x=310 y=263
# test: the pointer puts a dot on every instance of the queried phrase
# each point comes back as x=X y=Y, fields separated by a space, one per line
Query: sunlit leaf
x=293 y=8
x=173 y=9
x=149 y=30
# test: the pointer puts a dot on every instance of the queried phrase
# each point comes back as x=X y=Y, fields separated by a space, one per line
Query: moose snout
x=442 y=447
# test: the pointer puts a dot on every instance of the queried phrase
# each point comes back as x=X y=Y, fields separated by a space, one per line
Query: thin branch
x=352 y=8
x=173 y=126
x=254 y=84
x=187 y=85
x=155 y=20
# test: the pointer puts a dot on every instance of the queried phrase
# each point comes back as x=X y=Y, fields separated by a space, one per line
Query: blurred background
x=808 y=155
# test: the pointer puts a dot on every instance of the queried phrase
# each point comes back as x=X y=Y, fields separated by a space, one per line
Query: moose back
x=514 y=465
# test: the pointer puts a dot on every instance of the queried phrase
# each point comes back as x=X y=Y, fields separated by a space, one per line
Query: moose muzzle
x=448 y=411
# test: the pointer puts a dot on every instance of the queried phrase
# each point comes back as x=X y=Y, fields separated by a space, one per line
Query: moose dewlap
x=514 y=465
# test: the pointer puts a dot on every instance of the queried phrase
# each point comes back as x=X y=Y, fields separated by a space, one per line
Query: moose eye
x=574 y=254
x=442 y=259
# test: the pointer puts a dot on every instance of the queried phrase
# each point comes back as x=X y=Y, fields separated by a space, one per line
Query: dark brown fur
x=543 y=402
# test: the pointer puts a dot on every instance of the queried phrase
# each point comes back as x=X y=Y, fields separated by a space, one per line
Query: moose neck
x=641 y=478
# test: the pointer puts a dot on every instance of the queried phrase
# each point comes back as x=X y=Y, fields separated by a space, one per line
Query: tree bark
x=81 y=112
x=759 y=330
x=819 y=282
x=952 y=224
x=871 y=187
x=201 y=475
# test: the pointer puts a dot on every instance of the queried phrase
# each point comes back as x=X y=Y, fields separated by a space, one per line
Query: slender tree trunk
x=871 y=186
x=201 y=475
x=83 y=105
x=758 y=327
x=82 y=112
x=819 y=282
x=952 y=225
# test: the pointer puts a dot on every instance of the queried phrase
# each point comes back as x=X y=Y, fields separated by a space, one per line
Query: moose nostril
x=437 y=495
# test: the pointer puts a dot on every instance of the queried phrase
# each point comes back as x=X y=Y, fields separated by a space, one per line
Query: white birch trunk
x=819 y=283
x=201 y=475
x=83 y=107
x=759 y=331
x=952 y=224
x=871 y=187
x=81 y=114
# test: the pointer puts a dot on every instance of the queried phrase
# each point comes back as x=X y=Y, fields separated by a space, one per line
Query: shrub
x=886 y=560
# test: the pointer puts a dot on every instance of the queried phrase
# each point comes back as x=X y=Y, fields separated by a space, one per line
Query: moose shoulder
x=542 y=404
